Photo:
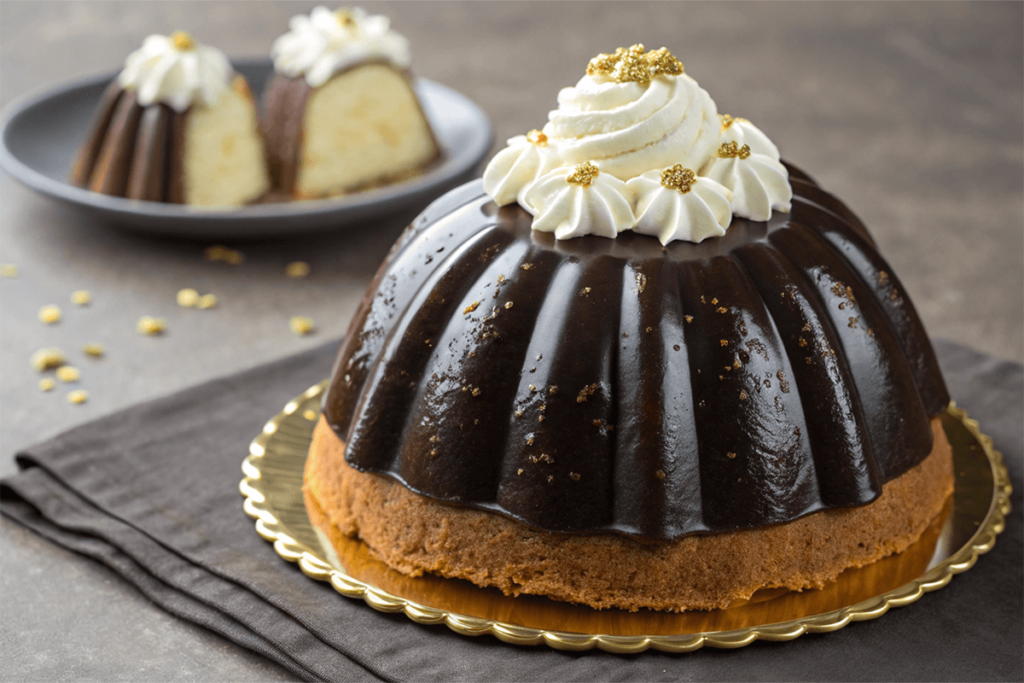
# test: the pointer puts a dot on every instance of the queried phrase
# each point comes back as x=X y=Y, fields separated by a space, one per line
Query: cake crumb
x=78 y=396
x=49 y=314
x=187 y=297
x=47 y=359
x=302 y=325
x=586 y=392
x=297 y=269
x=47 y=384
x=151 y=326
x=81 y=297
x=68 y=374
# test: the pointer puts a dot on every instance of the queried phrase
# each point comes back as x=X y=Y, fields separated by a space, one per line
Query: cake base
x=413 y=535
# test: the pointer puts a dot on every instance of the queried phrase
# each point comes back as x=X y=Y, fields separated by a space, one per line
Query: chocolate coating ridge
x=616 y=385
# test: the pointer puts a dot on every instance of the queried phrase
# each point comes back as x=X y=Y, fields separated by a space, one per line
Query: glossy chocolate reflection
x=617 y=385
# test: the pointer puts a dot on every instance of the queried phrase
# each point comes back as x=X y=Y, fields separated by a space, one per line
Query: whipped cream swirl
x=177 y=71
x=635 y=117
x=326 y=42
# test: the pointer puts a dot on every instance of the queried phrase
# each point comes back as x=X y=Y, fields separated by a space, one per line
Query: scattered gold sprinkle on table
x=149 y=325
x=297 y=269
x=187 y=297
x=8 y=270
x=301 y=325
x=81 y=297
x=94 y=350
x=67 y=374
x=206 y=301
x=219 y=252
x=47 y=384
x=78 y=396
x=46 y=359
x=49 y=314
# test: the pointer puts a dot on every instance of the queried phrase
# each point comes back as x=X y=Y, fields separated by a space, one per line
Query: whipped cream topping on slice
x=177 y=71
x=758 y=182
x=513 y=169
x=675 y=204
x=325 y=42
x=634 y=116
x=572 y=202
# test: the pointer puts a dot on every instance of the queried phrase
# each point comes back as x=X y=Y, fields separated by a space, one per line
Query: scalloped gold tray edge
x=269 y=527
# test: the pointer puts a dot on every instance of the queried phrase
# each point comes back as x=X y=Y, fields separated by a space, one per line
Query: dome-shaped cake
x=616 y=421
x=178 y=126
x=341 y=113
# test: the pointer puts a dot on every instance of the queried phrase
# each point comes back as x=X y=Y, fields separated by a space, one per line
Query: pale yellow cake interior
x=224 y=163
x=361 y=127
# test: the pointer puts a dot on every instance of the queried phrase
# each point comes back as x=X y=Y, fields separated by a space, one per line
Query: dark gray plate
x=41 y=134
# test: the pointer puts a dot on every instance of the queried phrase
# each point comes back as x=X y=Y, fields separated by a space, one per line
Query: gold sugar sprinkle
x=585 y=392
x=49 y=314
x=508 y=305
x=526 y=266
x=533 y=388
x=78 y=396
x=660 y=474
x=853 y=322
x=714 y=301
x=726 y=120
x=583 y=175
x=310 y=414
x=476 y=391
x=68 y=374
x=81 y=297
x=206 y=301
x=730 y=150
x=688 y=318
x=182 y=41
x=297 y=269
x=722 y=309
x=187 y=297
x=46 y=359
x=8 y=270
x=519 y=471
x=302 y=325
x=663 y=62
x=743 y=396
x=470 y=308
x=344 y=17
x=537 y=137
x=678 y=178
x=47 y=384
x=553 y=390
x=149 y=325
x=730 y=455
x=574 y=476
x=723 y=342
x=219 y=252
x=632 y=67
x=883 y=277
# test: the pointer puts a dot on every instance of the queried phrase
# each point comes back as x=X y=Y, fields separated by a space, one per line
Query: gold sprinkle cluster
x=219 y=252
x=634 y=65
x=537 y=137
x=47 y=359
x=730 y=150
x=583 y=175
x=49 y=315
x=81 y=297
x=678 y=178
x=344 y=17
x=297 y=269
x=150 y=326
x=182 y=41
x=301 y=325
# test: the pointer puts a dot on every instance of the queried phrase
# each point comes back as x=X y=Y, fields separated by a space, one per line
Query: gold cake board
x=967 y=528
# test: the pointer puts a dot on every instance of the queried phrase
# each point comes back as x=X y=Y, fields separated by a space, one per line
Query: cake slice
x=177 y=125
x=341 y=113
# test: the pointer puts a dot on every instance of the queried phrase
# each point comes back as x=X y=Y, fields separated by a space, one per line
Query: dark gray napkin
x=152 y=492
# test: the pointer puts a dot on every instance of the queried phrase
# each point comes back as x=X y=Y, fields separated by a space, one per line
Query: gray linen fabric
x=152 y=492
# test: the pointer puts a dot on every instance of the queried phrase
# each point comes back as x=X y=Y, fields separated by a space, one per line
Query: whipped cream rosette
x=572 y=202
x=177 y=71
x=326 y=42
x=636 y=116
x=758 y=182
x=675 y=204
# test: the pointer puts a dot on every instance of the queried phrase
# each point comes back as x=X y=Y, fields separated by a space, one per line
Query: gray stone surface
x=913 y=113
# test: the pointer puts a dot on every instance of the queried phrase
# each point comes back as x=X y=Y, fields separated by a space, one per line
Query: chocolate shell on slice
x=616 y=385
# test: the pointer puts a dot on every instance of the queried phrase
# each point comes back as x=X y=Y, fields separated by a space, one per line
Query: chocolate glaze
x=284 y=111
x=595 y=384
